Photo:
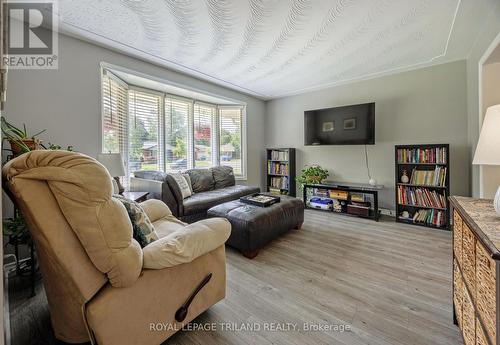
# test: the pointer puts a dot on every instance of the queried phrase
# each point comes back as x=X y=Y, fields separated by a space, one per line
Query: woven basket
x=469 y=259
x=457 y=236
x=485 y=290
x=458 y=293
x=468 y=321
x=480 y=336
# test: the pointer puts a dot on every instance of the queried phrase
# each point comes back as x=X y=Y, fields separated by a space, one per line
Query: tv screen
x=347 y=125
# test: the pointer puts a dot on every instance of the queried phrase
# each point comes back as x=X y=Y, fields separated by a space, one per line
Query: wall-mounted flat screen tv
x=347 y=125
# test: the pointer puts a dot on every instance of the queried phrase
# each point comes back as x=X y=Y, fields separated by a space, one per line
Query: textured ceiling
x=271 y=48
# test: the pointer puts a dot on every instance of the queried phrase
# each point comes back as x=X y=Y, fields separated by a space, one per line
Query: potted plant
x=19 y=139
x=15 y=227
x=313 y=174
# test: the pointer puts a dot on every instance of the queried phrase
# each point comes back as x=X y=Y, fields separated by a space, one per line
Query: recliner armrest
x=155 y=209
x=187 y=244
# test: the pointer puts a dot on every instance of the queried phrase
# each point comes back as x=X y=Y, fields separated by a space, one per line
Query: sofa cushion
x=223 y=176
x=143 y=230
x=201 y=202
x=202 y=180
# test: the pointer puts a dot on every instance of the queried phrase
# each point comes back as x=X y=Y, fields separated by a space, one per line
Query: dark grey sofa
x=211 y=187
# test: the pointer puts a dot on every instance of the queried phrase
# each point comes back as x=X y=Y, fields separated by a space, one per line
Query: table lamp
x=114 y=163
x=488 y=146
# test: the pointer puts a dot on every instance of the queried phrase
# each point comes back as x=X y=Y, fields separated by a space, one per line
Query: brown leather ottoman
x=253 y=226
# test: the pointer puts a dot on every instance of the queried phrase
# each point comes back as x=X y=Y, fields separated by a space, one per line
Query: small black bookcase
x=280 y=171
x=425 y=196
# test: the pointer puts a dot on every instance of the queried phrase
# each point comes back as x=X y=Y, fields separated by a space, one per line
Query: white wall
x=67 y=101
x=490 y=96
x=421 y=106
x=489 y=32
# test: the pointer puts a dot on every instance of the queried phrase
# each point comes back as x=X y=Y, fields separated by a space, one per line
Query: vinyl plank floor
x=389 y=282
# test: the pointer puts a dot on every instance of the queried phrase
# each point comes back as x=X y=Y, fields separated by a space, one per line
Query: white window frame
x=108 y=68
x=243 y=108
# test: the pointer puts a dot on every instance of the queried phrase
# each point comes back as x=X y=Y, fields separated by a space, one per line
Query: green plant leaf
x=37 y=134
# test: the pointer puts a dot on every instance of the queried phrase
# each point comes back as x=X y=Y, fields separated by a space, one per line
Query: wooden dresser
x=476 y=269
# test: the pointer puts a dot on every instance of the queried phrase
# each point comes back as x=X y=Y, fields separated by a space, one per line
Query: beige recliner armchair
x=94 y=272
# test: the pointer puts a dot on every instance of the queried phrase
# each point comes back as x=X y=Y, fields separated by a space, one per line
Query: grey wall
x=67 y=101
x=427 y=105
x=488 y=33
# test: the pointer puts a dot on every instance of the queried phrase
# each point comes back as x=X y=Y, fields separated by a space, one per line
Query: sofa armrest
x=155 y=209
x=157 y=190
x=187 y=244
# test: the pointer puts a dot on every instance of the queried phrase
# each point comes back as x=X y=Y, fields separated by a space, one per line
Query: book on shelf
x=279 y=183
x=436 y=177
x=422 y=155
x=412 y=196
x=275 y=190
x=279 y=155
x=427 y=217
x=277 y=168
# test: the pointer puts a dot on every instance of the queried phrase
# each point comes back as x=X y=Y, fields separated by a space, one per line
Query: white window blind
x=114 y=114
x=230 y=132
x=155 y=131
x=177 y=142
x=204 y=135
x=144 y=114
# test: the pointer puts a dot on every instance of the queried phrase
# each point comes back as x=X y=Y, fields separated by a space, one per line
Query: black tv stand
x=368 y=191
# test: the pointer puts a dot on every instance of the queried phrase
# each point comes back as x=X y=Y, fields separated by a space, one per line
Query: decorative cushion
x=183 y=185
x=143 y=230
x=188 y=180
x=202 y=180
x=223 y=176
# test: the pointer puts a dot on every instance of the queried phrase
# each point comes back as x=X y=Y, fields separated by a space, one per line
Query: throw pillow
x=144 y=231
x=183 y=185
x=188 y=180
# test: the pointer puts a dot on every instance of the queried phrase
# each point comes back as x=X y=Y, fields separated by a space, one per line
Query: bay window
x=204 y=134
x=230 y=144
x=159 y=131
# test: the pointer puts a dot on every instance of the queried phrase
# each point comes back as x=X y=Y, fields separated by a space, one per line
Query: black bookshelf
x=431 y=157
x=280 y=171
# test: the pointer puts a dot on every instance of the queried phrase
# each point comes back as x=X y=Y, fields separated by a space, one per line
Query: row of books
x=436 y=177
x=279 y=155
x=277 y=168
x=428 y=217
x=420 y=197
x=278 y=191
x=418 y=155
x=279 y=183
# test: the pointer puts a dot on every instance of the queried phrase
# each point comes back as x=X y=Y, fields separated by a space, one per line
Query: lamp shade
x=488 y=146
x=113 y=162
